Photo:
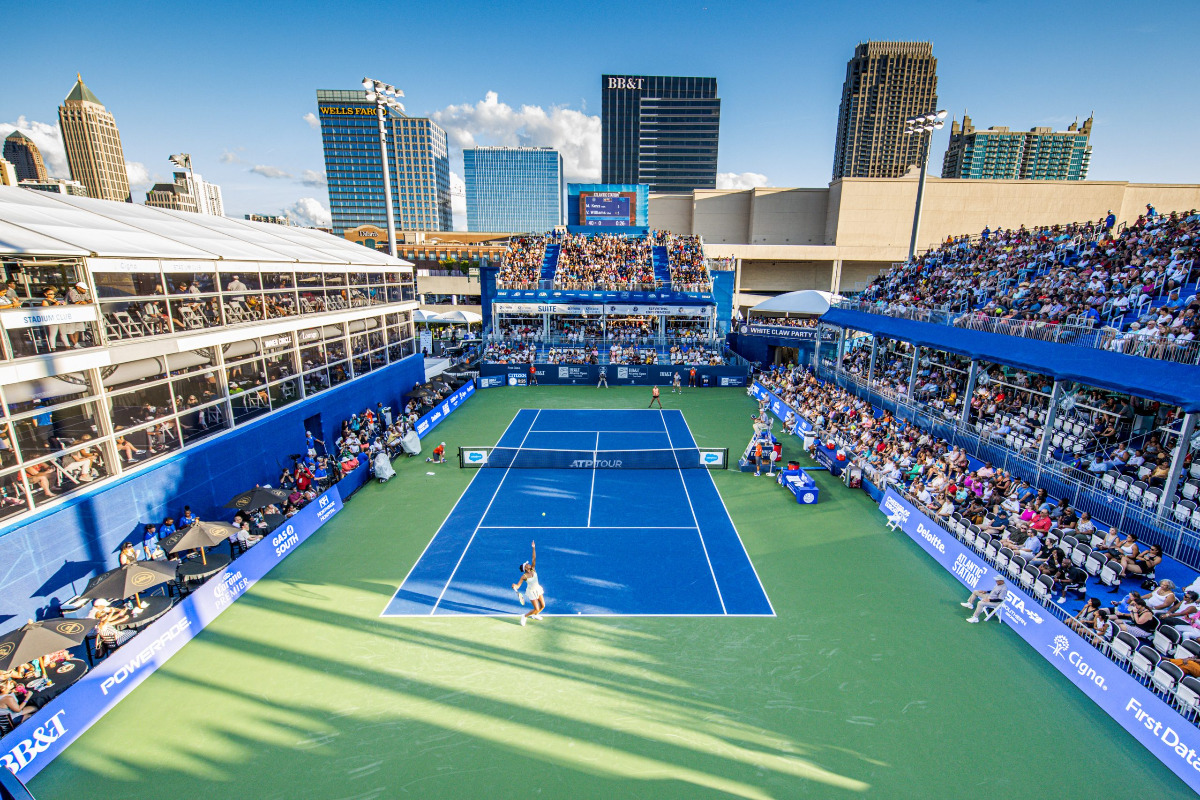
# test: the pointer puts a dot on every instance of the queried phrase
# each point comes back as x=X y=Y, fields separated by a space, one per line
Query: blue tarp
x=1165 y=381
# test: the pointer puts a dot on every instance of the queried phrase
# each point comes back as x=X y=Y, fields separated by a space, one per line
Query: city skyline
x=780 y=103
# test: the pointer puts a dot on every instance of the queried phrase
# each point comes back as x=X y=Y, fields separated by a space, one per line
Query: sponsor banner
x=776 y=405
x=121 y=265
x=788 y=333
x=595 y=309
x=660 y=310
x=574 y=373
x=1155 y=724
x=662 y=298
x=48 y=315
x=714 y=459
x=30 y=747
x=490 y=381
x=443 y=409
x=194 y=267
x=828 y=458
x=475 y=458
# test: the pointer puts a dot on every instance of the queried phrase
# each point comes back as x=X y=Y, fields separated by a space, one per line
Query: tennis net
x=540 y=458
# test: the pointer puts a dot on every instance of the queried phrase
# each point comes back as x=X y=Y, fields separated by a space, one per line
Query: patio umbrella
x=257 y=497
x=131 y=579
x=273 y=520
x=200 y=535
x=36 y=639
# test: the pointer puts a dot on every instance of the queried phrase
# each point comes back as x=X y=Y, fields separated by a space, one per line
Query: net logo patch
x=599 y=463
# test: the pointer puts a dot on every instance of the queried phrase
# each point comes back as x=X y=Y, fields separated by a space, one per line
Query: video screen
x=609 y=209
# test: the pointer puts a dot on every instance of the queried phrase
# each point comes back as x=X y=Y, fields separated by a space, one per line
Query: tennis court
x=627 y=521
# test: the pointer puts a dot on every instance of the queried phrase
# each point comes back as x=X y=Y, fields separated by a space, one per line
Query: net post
x=461 y=465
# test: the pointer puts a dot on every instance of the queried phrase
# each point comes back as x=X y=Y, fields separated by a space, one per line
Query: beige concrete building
x=172 y=196
x=838 y=238
x=8 y=173
x=93 y=145
x=25 y=157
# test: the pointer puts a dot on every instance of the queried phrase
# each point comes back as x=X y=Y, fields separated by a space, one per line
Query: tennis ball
x=543 y=513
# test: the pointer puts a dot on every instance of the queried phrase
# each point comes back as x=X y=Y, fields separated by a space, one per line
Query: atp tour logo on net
x=40 y=739
x=599 y=463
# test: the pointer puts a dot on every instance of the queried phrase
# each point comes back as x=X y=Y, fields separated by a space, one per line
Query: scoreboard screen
x=608 y=209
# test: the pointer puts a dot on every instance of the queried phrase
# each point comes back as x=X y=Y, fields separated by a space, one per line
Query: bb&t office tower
x=661 y=131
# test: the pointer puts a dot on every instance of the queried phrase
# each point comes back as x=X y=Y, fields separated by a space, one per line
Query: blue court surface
x=610 y=542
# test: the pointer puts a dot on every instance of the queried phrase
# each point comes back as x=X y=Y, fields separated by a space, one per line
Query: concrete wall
x=789 y=216
x=785 y=276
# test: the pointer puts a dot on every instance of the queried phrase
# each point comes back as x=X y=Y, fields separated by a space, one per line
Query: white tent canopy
x=448 y=318
x=806 y=302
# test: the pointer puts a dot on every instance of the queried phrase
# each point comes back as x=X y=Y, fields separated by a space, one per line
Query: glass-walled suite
x=52 y=305
x=62 y=433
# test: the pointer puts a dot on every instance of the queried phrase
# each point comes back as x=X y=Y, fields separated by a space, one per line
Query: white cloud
x=140 y=179
x=740 y=180
x=310 y=177
x=228 y=157
x=458 y=201
x=48 y=139
x=270 y=172
x=489 y=122
x=308 y=212
x=312 y=121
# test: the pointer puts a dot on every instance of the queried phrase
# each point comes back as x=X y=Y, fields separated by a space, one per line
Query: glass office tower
x=660 y=131
x=417 y=157
x=513 y=189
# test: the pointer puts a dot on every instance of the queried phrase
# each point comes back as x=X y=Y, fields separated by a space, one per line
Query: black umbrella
x=37 y=639
x=198 y=535
x=131 y=579
x=257 y=497
x=273 y=520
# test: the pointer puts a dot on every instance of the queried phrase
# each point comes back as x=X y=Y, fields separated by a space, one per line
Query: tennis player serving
x=533 y=589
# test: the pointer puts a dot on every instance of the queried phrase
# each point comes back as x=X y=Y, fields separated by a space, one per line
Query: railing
x=1129 y=343
x=605 y=343
x=1084 y=491
x=1187 y=709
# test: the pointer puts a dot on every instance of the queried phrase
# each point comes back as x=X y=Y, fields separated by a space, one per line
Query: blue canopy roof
x=1165 y=381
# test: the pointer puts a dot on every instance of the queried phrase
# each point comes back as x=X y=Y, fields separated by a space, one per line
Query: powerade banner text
x=431 y=419
x=30 y=747
x=1158 y=727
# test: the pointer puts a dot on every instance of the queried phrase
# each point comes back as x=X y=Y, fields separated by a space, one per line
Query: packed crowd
x=1084 y=274
x=604 y=261
x=503 y=352
x=522 y=264
x=789 y=322
x=685 y=255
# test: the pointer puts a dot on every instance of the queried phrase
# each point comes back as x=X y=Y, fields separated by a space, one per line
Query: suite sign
x=348 y=111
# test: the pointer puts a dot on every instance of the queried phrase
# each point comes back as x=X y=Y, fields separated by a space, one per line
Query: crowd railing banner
x=35 y=743
x=433 y=417
x=1154 y=723
x=780 y=409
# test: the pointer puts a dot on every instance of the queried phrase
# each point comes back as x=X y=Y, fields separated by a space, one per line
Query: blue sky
x=231 y=83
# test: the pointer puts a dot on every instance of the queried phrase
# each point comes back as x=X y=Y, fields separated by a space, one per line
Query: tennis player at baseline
x=533 y=590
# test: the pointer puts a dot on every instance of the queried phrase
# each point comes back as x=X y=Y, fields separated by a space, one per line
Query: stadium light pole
x=384 y=95
x=922 y=126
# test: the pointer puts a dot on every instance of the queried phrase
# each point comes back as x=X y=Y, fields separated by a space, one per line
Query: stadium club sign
x=1154 y=723
x=30 y=747
x=432 y=418
x=648 y=298
x=787 y=332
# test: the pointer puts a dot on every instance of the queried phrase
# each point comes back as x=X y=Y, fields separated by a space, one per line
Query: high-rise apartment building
x=173 y=196
x=513 y=189
x=418 y=162
x=886 y=83
x=661 y=131
x=271 y=218
x=23 y=154
x=93 y=145
x=8 y=173
x=1039 y=154
x=57 y=186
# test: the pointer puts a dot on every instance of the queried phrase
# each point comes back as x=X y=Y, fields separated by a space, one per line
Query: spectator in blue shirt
x=1025 y=491
x=167 y=528
x=149 y=540
x=187 y=520
x=1110 y=221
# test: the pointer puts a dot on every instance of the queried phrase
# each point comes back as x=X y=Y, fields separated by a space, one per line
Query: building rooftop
x=80 y=92
x=37 y=223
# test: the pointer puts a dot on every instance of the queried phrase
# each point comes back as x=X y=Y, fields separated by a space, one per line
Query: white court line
x=729 y=517
x=439 y=530
x=479 y=524
x=577 y=431
x=592 y=491
x=511 y=614
x=590 y=527
x=688 y=495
